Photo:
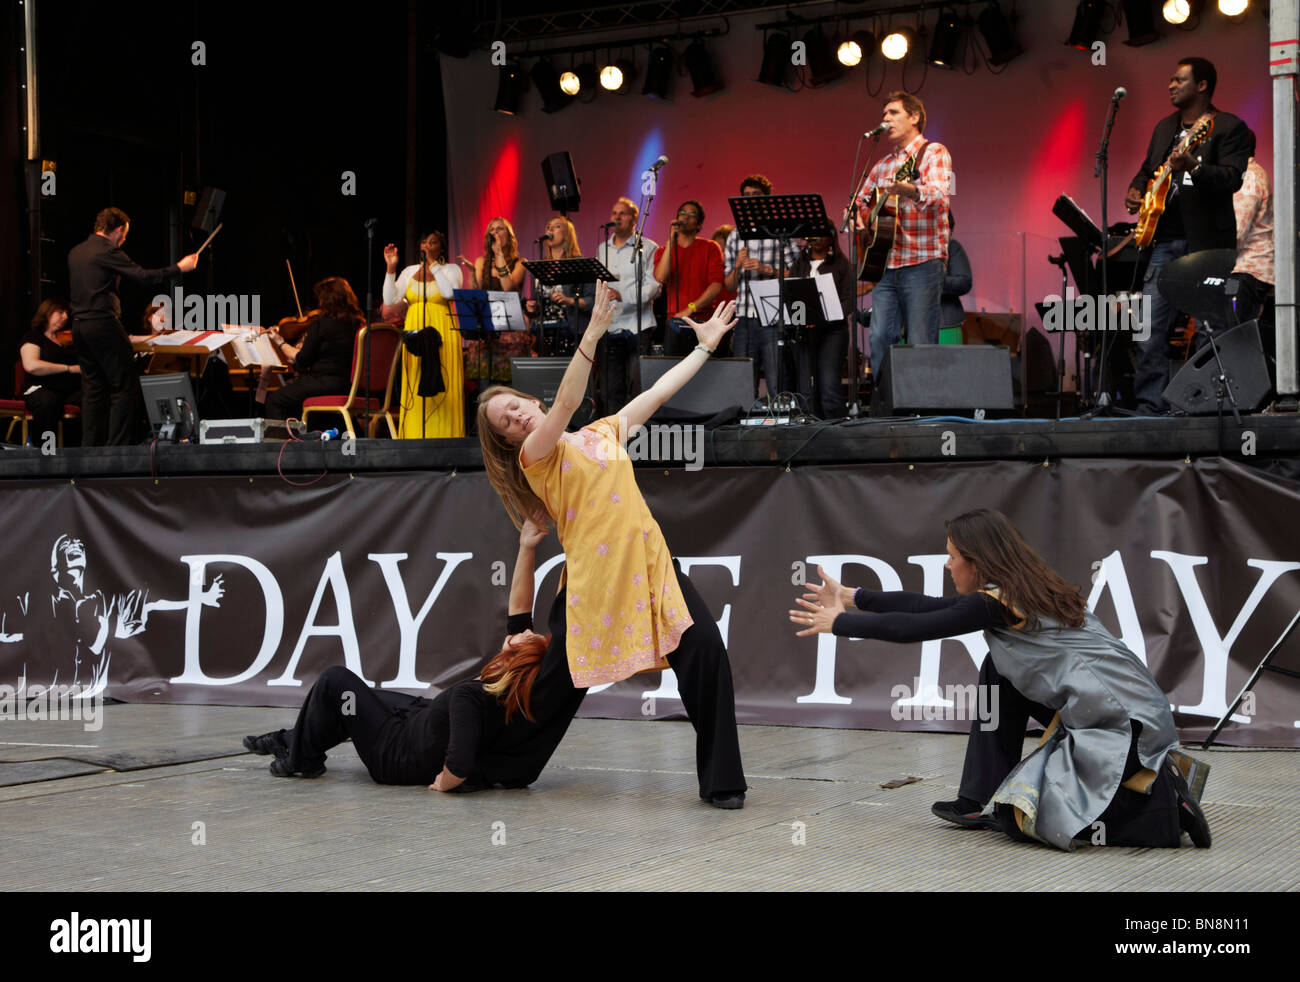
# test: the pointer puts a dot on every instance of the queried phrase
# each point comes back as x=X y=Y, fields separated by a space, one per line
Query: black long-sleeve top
x=840 y=269
x=902 y=617
x=95 y=268
x=327 y=349
x=956 y=282
x=1202 y=212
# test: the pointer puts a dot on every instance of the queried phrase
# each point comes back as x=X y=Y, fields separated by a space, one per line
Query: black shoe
x=280 y=768
x=267 y=743
x=963 y=812
x=732 y=800
x=1190 y=817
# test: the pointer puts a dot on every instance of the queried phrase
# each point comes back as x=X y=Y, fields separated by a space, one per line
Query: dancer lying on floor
x=497 y=729
x=624 y=609
x=1102 y=772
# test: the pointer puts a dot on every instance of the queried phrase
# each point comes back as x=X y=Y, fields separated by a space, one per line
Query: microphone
x=545 y=238
x=609 y=224
x=876 y=132
x=1120 y=93
x=371 y=222
x=654 y=168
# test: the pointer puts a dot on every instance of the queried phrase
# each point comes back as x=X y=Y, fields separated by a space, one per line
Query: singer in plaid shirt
x=908 y=294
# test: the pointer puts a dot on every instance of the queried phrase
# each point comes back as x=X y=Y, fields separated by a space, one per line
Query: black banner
x=241 y=591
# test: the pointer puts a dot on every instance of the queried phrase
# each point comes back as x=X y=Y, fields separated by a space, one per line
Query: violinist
x=53 y=377
x=323 y=360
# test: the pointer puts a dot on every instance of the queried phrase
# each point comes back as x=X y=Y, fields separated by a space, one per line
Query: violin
x=294 y=329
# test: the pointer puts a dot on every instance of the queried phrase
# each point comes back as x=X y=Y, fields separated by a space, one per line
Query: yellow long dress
x=442 y=415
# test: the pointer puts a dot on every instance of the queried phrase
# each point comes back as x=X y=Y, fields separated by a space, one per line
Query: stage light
x=510 y=87
x=704 y=80
x=1141 y=18
x=896 y=44
x=548 y=86
x=659 y=72
x=776 y=59
x=947 y=38
x=611 y=78
x=570 y=84
x=1233 y=8
x=1176 y=11
x=1087 y=24
x=854 y=48
x=998 y=35
x=822 y=66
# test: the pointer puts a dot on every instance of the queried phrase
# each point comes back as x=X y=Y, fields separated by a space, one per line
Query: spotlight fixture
x=822 y=66
x=1233 y=8
x=776 y=59
x=617 y=77
x=998 y=35
x=1141 y=19
x=659 y=72
x=510 y=87
x=897 y=43
x=548 y=86
x=570 y=84
x=855 y=47
x=947 y=38
x=704 y=80
x=587 y=79
x=1087 y=24
x=1176 y=11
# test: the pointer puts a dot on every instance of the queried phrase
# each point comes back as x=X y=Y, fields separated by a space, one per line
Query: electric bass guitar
x=1158 y=188
x=880 y=225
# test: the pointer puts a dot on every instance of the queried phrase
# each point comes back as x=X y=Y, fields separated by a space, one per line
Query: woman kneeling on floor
x=1103 y=772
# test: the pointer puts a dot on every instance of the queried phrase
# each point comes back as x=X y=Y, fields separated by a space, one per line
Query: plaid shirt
x=1253 y=204
x=765 y=251
x=922 y=232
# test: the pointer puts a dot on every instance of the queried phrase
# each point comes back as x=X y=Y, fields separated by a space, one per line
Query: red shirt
x=922 y=233
x=693 y=269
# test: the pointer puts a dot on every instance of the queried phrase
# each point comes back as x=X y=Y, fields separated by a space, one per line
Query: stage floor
x=617 y=809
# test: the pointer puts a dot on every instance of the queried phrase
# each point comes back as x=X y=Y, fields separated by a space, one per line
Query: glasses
x=688 y=214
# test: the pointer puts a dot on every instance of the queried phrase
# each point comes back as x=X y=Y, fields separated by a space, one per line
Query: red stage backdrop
x=226 y=591
x=1018 y=139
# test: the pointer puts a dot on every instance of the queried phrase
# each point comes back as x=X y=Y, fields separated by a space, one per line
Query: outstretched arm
x=573 y=387
x=521 y=583
x=710 y=334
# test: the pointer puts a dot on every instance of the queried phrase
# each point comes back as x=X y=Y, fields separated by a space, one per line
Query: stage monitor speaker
x=720 y=384
x=541 y=377
x=208 y=211
x=562 y=184
x=1202 y=284
x=944 y=380
x=1194 y=389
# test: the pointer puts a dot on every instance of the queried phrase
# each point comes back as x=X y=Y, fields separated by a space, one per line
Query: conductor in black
x=110 y=396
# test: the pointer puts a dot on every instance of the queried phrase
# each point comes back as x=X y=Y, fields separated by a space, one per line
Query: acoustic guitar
x=1158 y=188
x=880 y=222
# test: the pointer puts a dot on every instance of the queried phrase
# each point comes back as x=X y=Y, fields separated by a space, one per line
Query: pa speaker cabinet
x=541 y=377
x=1195 y=389
x=944 y=380
x=720 y=384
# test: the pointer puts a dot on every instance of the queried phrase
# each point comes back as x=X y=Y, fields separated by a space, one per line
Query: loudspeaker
x=562 y=184
x=720 y=384
x=1201 y=284
x=1194 y=390
x=208 y=210
x=943 y=380
x=541 y=377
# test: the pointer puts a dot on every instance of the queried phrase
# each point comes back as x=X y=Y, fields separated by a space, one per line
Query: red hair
x=510 y=675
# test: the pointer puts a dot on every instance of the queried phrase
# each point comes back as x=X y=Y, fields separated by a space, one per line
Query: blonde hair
x=501 y=462
x=632 y=206
x=571 y=250
x=511 y=249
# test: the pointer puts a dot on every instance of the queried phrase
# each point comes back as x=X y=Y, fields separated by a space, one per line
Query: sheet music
x=210 y=340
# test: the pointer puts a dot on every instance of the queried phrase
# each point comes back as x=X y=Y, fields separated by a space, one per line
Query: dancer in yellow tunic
x=427 y=288
x=624 y=609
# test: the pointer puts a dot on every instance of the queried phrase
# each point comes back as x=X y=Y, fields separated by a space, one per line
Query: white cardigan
x=446 y=275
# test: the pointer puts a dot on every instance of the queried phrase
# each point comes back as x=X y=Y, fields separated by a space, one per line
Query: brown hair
x=911 y=105
x=722 y=232
x=756 y=181
x=1027 y=585
x=501 y=462
x=41 y=319
x=110 y=219
x=571 y=250
x=510 y=675
x=511 y=247
x=336 y=299
x=631 y=205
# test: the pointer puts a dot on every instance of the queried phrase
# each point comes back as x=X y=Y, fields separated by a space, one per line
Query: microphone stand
x=1102 y=170
x=851 y=226
x=370 y=304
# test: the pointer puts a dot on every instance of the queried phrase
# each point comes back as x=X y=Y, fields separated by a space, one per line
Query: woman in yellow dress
x=624 y=608
x=430 y=407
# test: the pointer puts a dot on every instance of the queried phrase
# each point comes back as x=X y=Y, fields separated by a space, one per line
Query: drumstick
x=209 y=239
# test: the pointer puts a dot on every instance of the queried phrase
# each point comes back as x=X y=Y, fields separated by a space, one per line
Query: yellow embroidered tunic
x=625 y=609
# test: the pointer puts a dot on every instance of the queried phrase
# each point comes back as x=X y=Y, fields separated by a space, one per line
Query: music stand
x=482 y=314
x=780 y=217
x=580 y=270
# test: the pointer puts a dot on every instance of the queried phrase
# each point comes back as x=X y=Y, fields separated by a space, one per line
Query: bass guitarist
x=1198 y=211
x=908 y=293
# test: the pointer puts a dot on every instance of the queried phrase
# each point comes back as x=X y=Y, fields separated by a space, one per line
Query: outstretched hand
x=532 y=534
x=712 y=331
x=820 y=606
x=602 y=311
